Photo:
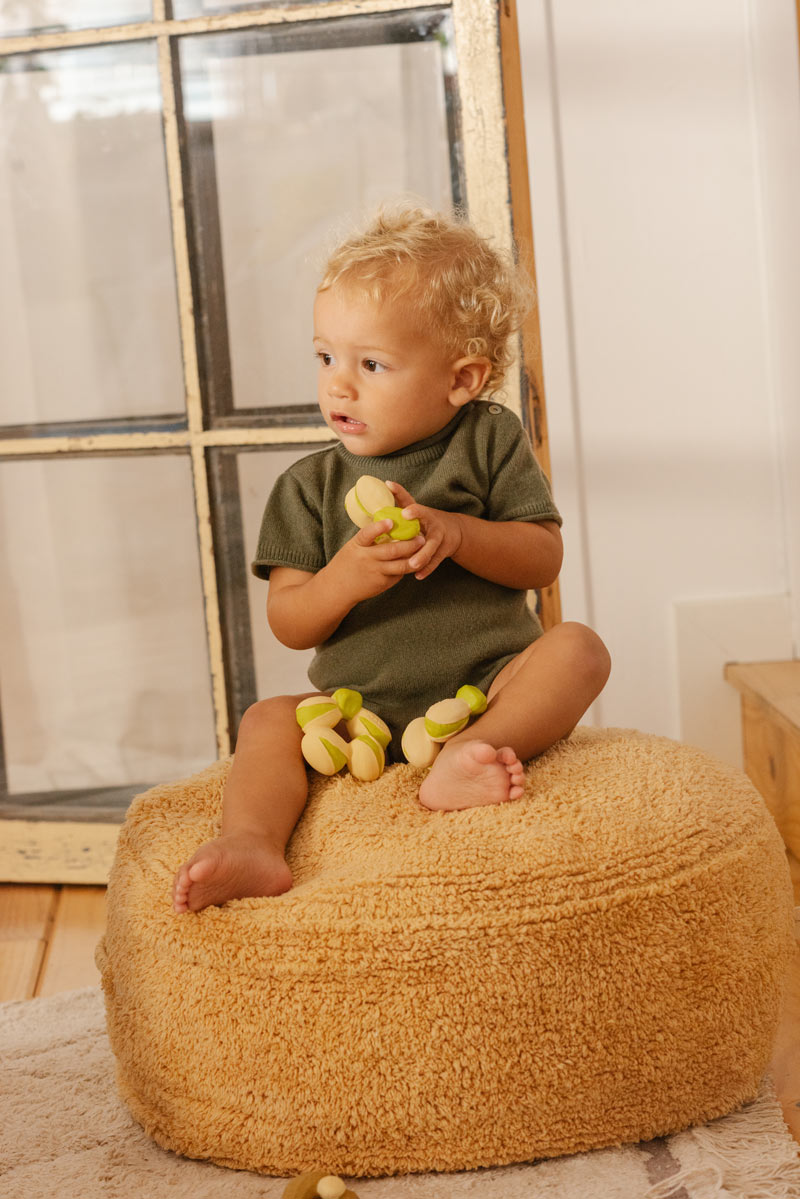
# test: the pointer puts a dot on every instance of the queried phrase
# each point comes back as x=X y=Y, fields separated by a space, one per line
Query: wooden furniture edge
x=770 y=727
x=43 y=851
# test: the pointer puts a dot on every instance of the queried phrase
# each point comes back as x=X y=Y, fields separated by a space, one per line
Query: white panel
x=554 y=287
x=656 y=337
x=709 y=634
x=776 y=87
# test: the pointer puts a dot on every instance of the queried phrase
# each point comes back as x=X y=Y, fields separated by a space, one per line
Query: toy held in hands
x=372 y=500
x=326 y=751
x=425 y=735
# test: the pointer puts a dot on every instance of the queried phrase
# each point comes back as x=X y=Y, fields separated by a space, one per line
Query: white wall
x=664 y=147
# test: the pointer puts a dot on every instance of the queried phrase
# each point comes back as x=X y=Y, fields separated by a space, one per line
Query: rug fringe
x=745 y=1157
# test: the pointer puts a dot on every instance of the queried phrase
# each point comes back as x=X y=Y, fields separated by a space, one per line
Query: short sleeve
x=519 y=489
x=291 y=528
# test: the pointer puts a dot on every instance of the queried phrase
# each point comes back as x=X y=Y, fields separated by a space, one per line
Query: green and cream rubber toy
x=425 y=735
x=316 y=1184
x=326 y=751
x=372 y=500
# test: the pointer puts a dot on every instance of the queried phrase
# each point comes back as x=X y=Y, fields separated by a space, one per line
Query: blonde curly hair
x=473 y=296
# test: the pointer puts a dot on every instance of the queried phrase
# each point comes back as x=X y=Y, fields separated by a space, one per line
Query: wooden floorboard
x=26 y=917
x=78 y=925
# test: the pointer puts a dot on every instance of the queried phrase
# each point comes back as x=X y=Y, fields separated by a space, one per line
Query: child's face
x=383 y=382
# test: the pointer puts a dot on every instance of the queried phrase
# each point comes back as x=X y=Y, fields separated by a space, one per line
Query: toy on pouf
x=425 y=735
x=316 y=1184
x=326 y=751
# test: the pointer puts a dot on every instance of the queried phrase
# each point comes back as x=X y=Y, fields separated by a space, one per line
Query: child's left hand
x=442 y=532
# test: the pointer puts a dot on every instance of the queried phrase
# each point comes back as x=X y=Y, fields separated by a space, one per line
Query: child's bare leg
x=265 y=793
x=536 y=699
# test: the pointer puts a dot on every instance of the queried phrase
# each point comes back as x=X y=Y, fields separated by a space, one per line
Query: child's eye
x=372 y=366
x=324 y=357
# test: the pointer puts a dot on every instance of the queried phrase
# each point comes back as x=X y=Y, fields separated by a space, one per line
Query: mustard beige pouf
x=600 y=961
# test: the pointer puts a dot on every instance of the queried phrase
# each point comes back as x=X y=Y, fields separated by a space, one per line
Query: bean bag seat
x=598 y=962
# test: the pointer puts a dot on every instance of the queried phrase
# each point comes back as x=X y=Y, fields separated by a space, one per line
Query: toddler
x=412 y=324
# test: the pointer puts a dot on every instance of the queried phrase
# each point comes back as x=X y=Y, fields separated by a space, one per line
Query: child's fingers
x=428 y=558
x=400 y=493
x=399 y=549
x=430 y=568
x=367 y=535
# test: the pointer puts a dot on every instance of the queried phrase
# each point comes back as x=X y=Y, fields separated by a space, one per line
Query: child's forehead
x=360 y=302
x=390 y=285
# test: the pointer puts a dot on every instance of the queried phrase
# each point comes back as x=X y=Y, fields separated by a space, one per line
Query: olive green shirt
x=421 y=640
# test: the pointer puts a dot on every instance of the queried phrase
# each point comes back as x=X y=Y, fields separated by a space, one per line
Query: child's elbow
x=552 y=559
x=289 y=635
x=284 y=627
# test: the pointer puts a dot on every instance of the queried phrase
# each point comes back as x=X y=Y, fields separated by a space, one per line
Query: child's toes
x=509 y=759
x=180 y=890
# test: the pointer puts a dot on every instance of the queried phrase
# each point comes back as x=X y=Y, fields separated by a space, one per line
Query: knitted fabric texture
x=601 y=961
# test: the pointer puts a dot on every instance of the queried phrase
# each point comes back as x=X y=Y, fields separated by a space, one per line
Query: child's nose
x=341 y=383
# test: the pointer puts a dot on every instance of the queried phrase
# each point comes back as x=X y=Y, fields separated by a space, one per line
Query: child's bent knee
x=590 y=652
x=278 y=709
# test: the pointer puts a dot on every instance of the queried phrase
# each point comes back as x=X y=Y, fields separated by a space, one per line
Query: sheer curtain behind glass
x=88 y=314
x=289 y=135
x=103 y=661
x=297 y=144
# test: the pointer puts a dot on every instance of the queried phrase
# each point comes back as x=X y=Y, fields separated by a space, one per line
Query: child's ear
x=469 y=379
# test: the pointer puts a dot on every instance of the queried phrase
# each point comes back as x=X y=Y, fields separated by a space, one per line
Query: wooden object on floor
x=785 y=1064
x=770 y=695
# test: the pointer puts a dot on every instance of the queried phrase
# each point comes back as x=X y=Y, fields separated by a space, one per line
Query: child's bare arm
x=520 y=554
x=304 y=609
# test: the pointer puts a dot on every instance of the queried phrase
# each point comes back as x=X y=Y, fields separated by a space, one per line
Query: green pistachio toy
x=372 y=500
x=424 y=736
x=368 y=495
x=401 y=530
x=326 y=751
x=316 y=1184
x=445 y=719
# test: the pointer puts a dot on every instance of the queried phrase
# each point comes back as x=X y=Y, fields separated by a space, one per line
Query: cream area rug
x=65 y=1133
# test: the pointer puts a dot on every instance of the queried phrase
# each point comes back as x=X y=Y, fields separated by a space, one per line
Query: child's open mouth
x=346 y=424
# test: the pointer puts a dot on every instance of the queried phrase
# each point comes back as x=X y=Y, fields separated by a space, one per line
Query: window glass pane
x=37 y=16
x=201 y=8
x=88 y=312
x=104 y=677
x=287 y=140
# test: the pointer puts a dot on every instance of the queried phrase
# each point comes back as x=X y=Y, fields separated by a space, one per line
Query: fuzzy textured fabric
x=66 y=1135
x=601 y=961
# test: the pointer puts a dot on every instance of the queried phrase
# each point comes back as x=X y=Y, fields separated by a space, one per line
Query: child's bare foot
x=469 y=774
x=235 y=866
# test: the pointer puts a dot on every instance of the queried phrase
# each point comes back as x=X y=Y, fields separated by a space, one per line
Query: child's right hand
x=371 y=569
x=305 y=608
